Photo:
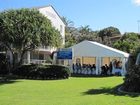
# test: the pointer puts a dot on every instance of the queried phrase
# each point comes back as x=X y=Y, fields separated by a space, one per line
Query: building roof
x=115 y=37
x=90 y=48
x=53 y=9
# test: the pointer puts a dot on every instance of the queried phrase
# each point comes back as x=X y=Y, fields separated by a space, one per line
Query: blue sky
x=98 y=14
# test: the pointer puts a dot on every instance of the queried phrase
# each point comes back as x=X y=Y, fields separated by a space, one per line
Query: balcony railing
x=46 y=48
x=34 y=61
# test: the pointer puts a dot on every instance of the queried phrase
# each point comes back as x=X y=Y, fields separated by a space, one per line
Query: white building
x=41 y=54
x=54 y=17
x=89 y=53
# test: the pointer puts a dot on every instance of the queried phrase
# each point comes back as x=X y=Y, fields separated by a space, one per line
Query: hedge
x=3 y=65
x=42 y=72
x=132 y=79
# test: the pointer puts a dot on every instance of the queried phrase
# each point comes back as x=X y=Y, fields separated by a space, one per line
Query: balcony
x=34 y=61
x=46 y=49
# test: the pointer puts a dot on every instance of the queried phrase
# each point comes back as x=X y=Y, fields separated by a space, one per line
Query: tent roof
x=90 y=48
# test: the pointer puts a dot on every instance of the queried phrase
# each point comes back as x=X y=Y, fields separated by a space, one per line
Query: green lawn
x=73 y=91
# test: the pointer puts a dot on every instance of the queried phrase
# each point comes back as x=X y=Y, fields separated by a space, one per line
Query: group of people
x=84 y=69
x=91 y=68
x=117 y=64
x=113 y=68
x=117 y=68
x=106 y=70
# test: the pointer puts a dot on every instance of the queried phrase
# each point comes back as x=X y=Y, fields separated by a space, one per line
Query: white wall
x=51 y=14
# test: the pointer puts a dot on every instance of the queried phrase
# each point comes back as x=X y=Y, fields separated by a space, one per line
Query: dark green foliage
x=131 y=62
x=109 y=31
x=70 y=32
x=132 y=79
x=137 y=51
x=129 y=42
x=86 y=33
x=3 y=64
x=42 y=72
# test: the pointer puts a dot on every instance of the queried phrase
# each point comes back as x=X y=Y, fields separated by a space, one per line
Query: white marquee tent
x=98 y=51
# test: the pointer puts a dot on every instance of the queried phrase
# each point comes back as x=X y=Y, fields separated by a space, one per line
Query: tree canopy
x=70 y=32
x=26 y=29
x=109 y=32
x=129 y=42
x=86 y=33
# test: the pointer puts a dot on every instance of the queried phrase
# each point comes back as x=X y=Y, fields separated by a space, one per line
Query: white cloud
x=137 y=2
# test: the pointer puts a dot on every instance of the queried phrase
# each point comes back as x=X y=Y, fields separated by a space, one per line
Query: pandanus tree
x=24 y=30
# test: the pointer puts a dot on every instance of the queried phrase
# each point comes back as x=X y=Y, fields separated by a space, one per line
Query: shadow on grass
x=6 y=80
x=109 y=91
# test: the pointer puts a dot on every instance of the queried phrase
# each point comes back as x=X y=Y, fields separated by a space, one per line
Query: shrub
x=131 y=62
x=3 y=64
x=132 y=79
x=24 y=71
x=42 y=72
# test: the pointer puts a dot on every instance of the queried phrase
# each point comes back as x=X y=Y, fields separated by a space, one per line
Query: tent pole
x=97 y=65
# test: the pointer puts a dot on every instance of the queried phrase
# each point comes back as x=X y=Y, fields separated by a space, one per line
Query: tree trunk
x=21 y=58
x=12 y=66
